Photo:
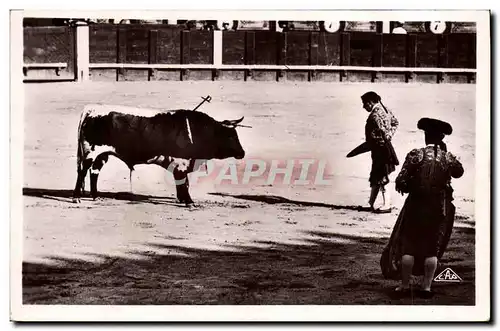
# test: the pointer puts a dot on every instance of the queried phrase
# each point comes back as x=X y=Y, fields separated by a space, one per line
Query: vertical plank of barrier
x=217 y=47
x=121 y=50
x=249 y=51
x=70 y=35
x=443 y=51
x=377 y=47
x=313 y=53
x=386 y=27
x=471 y=55
x=345 y=53
x=216 y=52
x=281 y=48
x=249 y=47
x=472 y=51
x=442 y=56
x=82 y=53
x=185 y=51
x=152 y=52
x=411 y=54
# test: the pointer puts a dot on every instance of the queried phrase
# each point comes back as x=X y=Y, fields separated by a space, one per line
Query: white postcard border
x=479 y=312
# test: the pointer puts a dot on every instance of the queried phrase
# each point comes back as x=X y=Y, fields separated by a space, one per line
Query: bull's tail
x=80 y=153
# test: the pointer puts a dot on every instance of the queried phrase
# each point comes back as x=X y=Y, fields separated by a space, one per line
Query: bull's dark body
x=137 y=139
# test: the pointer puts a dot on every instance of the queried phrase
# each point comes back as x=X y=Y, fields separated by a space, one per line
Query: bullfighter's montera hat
x=435 y=126
x=370 y=96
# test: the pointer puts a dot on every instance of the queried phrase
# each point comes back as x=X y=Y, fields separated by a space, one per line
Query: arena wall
x=167 y=44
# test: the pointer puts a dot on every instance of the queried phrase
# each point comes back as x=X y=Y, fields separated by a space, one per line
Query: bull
x=173 y=140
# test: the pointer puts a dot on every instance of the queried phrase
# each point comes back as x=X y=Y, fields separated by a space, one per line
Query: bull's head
x=229 y=144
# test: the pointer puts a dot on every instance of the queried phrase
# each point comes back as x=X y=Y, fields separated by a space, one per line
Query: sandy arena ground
x=255 y=243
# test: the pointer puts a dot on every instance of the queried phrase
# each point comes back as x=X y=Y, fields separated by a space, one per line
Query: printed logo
x=448 y=275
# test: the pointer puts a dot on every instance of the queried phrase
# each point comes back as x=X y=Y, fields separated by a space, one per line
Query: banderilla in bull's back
x=208 y=98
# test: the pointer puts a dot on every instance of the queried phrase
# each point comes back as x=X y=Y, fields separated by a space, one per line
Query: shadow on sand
x=322 y=268
x=274 y=199
x=67 y=196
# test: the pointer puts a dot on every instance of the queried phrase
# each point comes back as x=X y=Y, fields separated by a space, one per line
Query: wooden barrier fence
x=163 y=52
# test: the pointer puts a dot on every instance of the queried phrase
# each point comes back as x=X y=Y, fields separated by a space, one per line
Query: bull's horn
x=234 y=122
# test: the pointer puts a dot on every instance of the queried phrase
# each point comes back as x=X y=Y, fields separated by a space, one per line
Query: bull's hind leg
x=77 y=193
x=94 y=173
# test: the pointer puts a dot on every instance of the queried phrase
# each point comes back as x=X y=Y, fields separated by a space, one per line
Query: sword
x=207 y=99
